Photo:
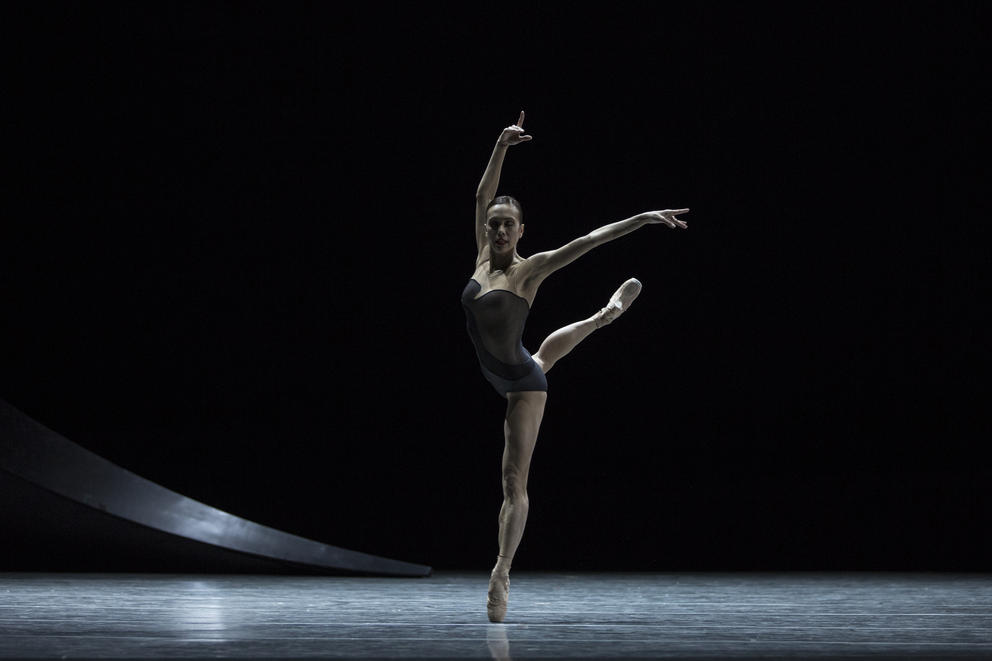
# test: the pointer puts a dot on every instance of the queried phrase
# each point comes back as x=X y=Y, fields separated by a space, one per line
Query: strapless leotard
x=495 y=322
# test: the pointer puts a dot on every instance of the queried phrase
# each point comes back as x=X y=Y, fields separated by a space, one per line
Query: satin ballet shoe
x=619 y=302
x=499 y=594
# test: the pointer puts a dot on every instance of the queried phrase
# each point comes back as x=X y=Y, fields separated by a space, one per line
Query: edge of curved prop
x=31 y=451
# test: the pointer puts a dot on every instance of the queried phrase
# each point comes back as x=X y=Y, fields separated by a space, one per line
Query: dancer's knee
x=514 y=486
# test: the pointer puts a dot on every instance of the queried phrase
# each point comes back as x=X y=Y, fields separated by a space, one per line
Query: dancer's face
x=504 y=228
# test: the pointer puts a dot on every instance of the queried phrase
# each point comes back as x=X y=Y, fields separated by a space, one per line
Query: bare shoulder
x=524 y=277
x=483 y=256
x=530 y=270
x=481 y=266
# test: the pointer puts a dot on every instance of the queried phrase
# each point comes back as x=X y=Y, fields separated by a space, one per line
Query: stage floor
x=551 y=615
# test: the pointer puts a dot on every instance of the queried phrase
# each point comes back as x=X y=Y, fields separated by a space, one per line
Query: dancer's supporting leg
x=563 y=340
x=524 y=412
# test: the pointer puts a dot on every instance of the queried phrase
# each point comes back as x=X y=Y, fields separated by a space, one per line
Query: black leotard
x=495 y=322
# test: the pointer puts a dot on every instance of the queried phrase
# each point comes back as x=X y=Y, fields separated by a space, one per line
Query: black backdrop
x=237 y=235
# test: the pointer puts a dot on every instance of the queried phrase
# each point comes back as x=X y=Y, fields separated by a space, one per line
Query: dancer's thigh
x=524 y=412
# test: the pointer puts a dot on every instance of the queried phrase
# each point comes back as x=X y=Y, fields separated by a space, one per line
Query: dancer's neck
x=502 y=263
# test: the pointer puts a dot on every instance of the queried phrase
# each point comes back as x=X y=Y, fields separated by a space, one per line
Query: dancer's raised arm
x=511 y=135
x=541 y=265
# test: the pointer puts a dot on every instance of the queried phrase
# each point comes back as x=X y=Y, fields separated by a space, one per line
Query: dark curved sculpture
x=43 y=458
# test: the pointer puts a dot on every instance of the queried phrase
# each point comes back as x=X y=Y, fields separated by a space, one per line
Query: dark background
x=237 y=234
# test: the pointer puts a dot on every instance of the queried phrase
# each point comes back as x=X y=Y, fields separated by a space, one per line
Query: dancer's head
x=504 y=225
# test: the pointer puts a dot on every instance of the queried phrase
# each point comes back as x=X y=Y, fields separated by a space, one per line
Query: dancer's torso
x=496 y=313
x=495 y=316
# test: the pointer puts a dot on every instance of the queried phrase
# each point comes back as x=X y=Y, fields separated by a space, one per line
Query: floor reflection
x=499 y=644
x=204 y=612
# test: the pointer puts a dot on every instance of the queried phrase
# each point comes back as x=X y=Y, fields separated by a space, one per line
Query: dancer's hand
x=666 y=217
x=513 y=135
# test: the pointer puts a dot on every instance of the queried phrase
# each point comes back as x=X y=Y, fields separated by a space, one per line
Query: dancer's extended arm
x=511 y=135
x=543 y=264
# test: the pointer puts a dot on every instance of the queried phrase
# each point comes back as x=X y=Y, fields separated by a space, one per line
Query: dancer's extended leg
x=524 y=412
x=563 y=340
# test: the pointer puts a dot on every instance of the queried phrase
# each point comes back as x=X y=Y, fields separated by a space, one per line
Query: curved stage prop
x=35 y=456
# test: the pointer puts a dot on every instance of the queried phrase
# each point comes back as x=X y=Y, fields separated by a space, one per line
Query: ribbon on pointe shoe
x=608 y=314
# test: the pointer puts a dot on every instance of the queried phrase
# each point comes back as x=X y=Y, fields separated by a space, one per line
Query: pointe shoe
x=499 y=593
x=620 y=301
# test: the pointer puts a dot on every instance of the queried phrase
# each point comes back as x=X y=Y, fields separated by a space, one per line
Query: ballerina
x=497 y=300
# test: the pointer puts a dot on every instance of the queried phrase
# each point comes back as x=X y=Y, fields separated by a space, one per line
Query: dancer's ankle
x=606 y=315
x=502 y=565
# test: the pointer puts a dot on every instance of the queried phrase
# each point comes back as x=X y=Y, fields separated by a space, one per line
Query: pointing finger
x=520 y=122
x=678 y=211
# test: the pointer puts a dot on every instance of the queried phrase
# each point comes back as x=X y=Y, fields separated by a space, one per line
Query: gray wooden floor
x=551 y=615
